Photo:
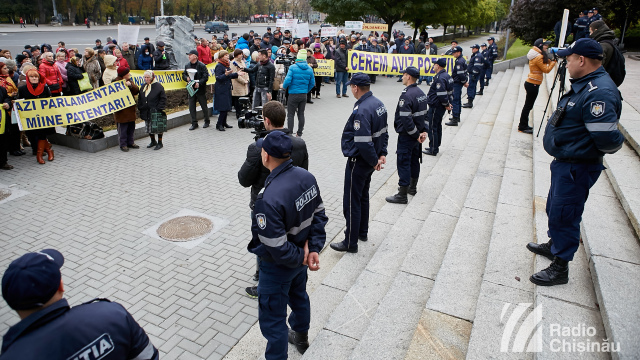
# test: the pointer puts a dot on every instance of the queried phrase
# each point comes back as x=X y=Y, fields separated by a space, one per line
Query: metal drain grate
x=185 y=228
x=4 y=193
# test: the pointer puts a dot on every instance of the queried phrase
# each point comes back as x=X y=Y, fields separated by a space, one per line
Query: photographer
x=299 y=81
x=265 y=73
x=539 y=63
x=253 y=173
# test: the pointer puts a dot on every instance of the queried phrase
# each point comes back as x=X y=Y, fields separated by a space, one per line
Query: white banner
x=128 y=34
x=302 y=30
x=291 y=24
x=329 y=31
x=353 y=25
x=281 y=23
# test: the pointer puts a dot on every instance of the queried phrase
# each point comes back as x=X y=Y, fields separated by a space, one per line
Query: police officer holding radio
x=439 y=99
x=459 y=81
x=50 y=329
x=476 y=66
x=288 y=234
x=411 y=128
x=492 y=55
x=485 y=66
x=364 y=143
x=580 y=132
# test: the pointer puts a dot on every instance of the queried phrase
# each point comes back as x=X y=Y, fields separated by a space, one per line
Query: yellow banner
x=325 y=68
x=67 y=110
x=171 y=79
x=375 y=27
x=3 y=120
x=392 y=64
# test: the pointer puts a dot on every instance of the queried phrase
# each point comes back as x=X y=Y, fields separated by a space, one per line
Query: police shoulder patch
x=401 y=103
x=261 y=219
x=597 y=108
x=458 y=67
x=438 y=85
x=356 y=125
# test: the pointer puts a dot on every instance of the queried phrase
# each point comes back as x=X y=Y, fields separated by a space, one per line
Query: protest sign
x=329 y=31
x=281 y=23
x=67 y=110
x=375 y=27
x=302 y=30
x=171 y=79
x=325 y=67
x=3 y=120
x=290 y=24
x=128 y=34
x=353 y=25
x=392 y=64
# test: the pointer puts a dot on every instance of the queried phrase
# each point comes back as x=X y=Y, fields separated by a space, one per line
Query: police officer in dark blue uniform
x=411 y=128
x=50 y=329
x=459 y=75
x=439 y=99
x=596 y=15
x=364 y=143
x=476 y=66
x=578 y=135
x=492 y=55
x=485 y=65
x=580 y=26
x=288 y=234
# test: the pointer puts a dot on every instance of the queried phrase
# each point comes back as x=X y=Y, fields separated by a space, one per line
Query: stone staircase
x=447 y=275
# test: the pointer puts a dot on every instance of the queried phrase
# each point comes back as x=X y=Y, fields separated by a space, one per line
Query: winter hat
x=302 y=55
x=123 y=70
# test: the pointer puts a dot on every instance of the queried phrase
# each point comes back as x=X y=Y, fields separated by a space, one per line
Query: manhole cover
x=185 y=228
x=4 y=193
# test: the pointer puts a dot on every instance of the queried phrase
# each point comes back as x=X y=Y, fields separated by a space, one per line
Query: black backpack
x=616 y=66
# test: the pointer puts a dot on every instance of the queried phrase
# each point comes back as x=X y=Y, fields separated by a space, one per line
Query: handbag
x=85 y=83
x=158 y=122
x=91 y=131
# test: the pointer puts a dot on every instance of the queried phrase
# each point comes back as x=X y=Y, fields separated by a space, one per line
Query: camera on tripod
x=285 y=60
x=251 y=118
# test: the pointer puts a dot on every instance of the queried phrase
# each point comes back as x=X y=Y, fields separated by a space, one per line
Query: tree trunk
x=94 y=13
x=43 y=15
x=187 y=14
x=444 y=33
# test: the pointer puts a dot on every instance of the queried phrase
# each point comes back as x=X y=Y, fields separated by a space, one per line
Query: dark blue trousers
x=473 y=85
x=570 y=184
x=489 y=71
x=457 y=99
x=481 y=78
x=434 y=121
x=355 y=202
x=280 y=286
x=409 y=156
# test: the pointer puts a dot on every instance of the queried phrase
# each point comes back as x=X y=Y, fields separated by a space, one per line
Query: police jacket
x=589 y=128
x=492 y=52
x=288 y=212
x=411 y=112
x=253 y=173
x=441 y=90
x=459 y=72
x=202 y=75
x=476 y=63
x=160 y=63
x=580 y=27
x=264 y=74
x=365 y=135
x=485 y=58
x=98 y=329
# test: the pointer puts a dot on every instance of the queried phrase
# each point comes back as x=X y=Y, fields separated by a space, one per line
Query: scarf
x=224 y=62
x=40 y=88
x=7 y=83
x=147 y=87
x=264 y=62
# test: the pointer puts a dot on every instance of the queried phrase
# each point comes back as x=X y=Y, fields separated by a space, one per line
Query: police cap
x=586 y=47
x=491 y=38
x=595 y=9
x=483 y=44
x=539 y=42
x=411 y=70
x=276 y=144
x=457 y=48
x=32 y=279
x=359 y=79
x=590 y=11
x=442 y=62
x=476 y=46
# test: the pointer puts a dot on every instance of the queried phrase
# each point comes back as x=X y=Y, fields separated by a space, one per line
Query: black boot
x=481 y=92
x=469 y=104
x=300 y=340
x=413 y=187
x=153 y=142
x=193 y=126
x=454 y=121
x=159 y=146
x=486 y=83
x=400 y=197
x=556 y=274
x=206 y=125
x=541 y=249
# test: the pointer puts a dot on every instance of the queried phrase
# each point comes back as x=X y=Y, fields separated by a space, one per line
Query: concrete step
x=630 y=126
x=457 y=284
x=508 y=266
x=623 y=169
x=565 y=306
x=356 y=312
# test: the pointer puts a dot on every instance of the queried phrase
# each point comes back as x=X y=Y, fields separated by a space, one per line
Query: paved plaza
x=96 y=208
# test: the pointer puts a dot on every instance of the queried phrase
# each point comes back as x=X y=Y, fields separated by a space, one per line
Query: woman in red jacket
x=51 y=74
x=120 y=60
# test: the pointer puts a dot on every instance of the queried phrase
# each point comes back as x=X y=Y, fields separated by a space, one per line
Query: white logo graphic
x=597 y=108
x=356 y=125
x=305 y=198
x=262 y=221
x=526 y=331
x=401 y=103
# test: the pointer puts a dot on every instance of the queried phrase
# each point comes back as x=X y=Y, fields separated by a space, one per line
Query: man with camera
x=253 y=173
x=266 y=72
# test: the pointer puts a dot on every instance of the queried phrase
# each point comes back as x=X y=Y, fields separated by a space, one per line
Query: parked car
x=216 y=27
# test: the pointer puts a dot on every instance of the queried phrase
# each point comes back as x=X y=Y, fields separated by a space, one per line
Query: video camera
x=286 y=60
x=251 y=119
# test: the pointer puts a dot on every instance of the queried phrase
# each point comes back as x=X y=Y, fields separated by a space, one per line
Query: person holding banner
x=197 y=71
x=152 y=98
x=36 y=88
x=5 y=118
x=125 y=119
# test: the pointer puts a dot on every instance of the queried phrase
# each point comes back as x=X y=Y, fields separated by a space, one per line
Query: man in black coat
x=341 y=75
x=201 y=76
x=265 y=73
x=160 y=57
x=253 y=173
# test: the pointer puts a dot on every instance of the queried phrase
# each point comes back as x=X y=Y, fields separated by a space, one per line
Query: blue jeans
x=457 y=99
x=341 y=78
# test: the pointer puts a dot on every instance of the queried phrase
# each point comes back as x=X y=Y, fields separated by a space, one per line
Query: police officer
x=485 y=66
x=476 y=66
x=589 y=21
x=580 y=26
x=578 y=135
x=459 y=81
x=50 y=329
x=288 y=234
x=596 y=16
x=492 y=55
x=253 y=173
x=439 y=99
x=411 y=128
x=364 y=143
